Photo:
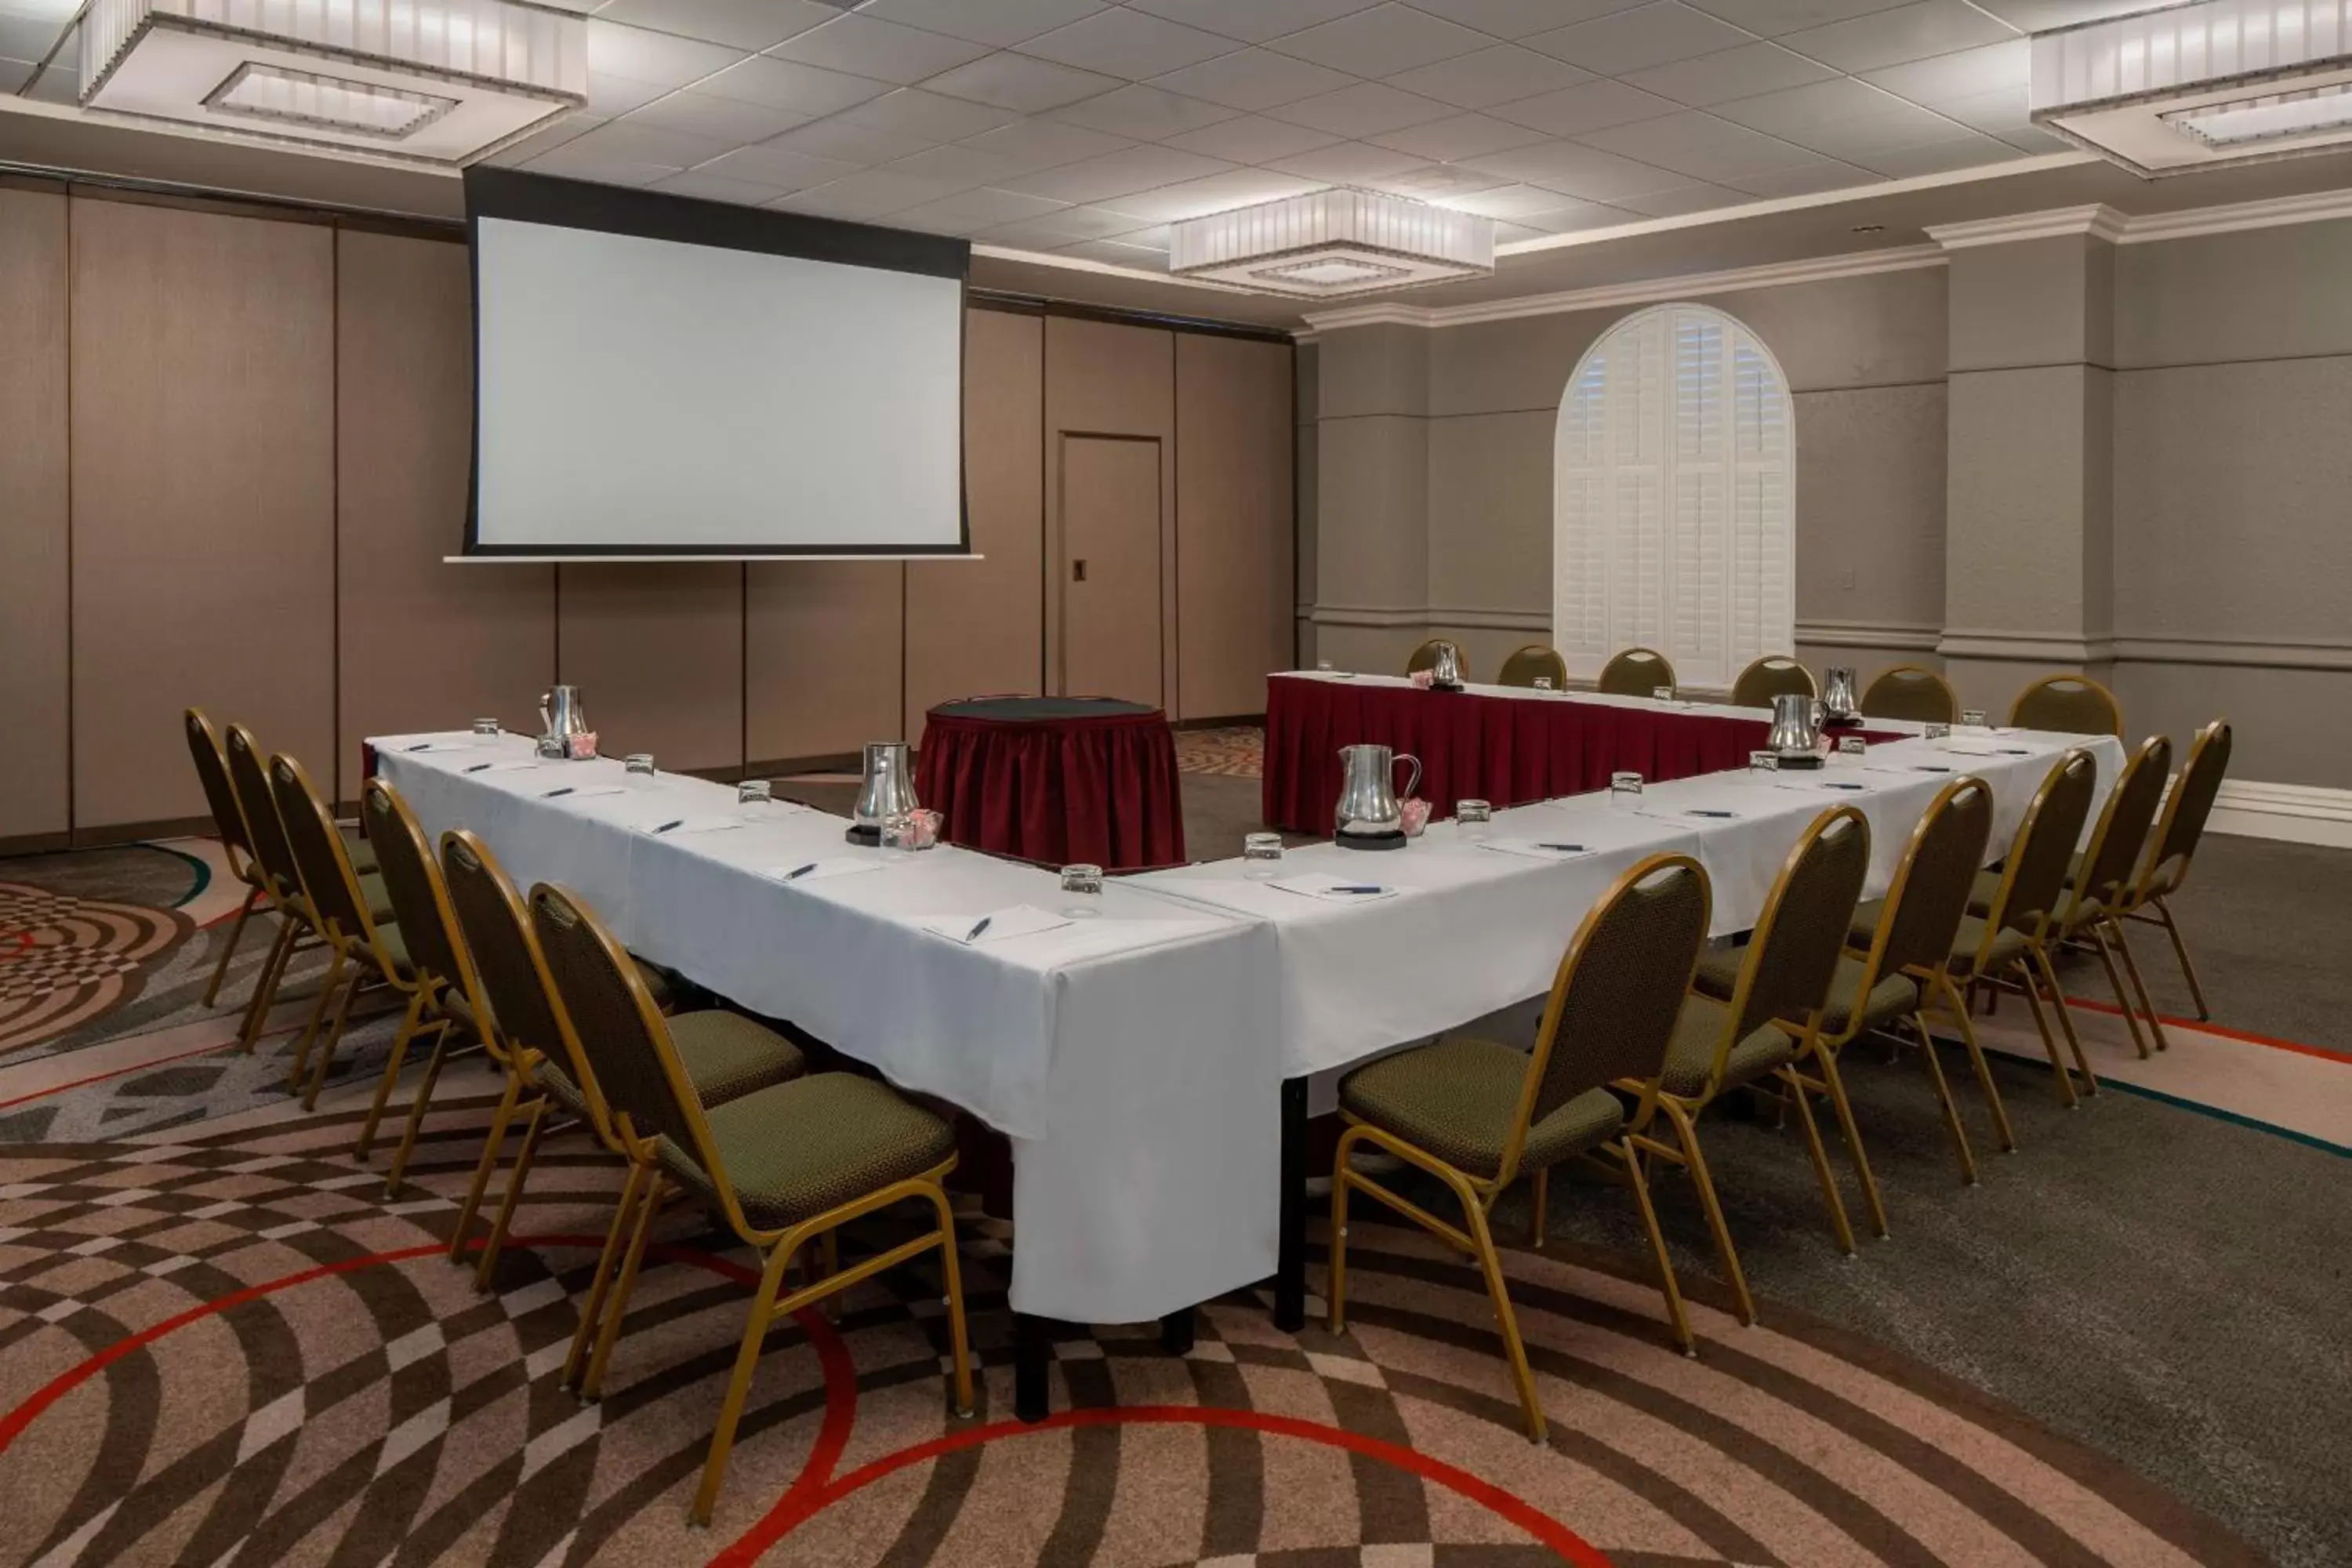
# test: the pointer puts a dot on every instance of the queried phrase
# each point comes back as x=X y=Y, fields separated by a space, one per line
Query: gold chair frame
x=1616 y=675
x=2049 y=682
x=2094 y=915
x=1535 y=658
x=2167 y=869
x=1770 y=664
x=1913 y=678
x=235 y=835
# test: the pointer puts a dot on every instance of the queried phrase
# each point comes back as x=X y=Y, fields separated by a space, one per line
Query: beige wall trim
x=1871 y=635
x=1380 y=615
x=2102 y=222
x=2297 y=813
x=2099 y=221
x=2244 y=654
x=1647 y=291
x=1962 y=643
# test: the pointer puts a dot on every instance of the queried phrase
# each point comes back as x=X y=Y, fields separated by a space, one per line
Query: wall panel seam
x=2227 y=364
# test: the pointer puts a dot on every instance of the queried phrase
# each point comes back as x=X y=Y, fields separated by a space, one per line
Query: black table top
x=1030 y=709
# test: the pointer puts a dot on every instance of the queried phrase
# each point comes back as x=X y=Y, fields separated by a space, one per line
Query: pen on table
x=420 y=746
x=1563 y=848
x=551 y=794
x=797 y=872
x=1833 y=784
x=476 y=767
x=973 y=934
x=672 y=822
x=1361 y=889
x=1699 y=812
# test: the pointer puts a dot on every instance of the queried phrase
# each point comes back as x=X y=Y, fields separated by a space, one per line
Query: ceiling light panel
x=1331 y=244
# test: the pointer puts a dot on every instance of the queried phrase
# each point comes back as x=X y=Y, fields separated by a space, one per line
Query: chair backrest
x=1525 y=664
x=1425 y=656
x=250 y=776
x=220 y=794
x=512 y=988
x=2034 y=874
x=1793 y=954
x=1636 y=672
x=1618 y=990
x=2068 y=705
x=1929 y=895
x=1908 y=691
x=2182 y=825
x=420 y=904
x=2104 y=883
x=325 y=867
x=1774 y=674
x=620 y=1033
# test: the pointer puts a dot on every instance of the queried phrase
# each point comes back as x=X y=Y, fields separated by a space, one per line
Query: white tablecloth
x=1131 y=1058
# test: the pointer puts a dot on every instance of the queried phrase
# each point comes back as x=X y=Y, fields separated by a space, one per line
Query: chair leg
x=1491 y=1263
x=2049 y=970
x=1538 y=1207
x=228 y=948
x=326 y=1055
x=2181 y=952
x=2033 y=990
x=2139 y=987
x=957 y=1341
x=592 y=1312
x=327 y=989
x=1687 y=1131
x=1335 y=1318
x=502 y=1228
x=2115 y=982
x=1676 y=1315
x=266 y=983
x=491 y=1144
x=1871 y=1200
x=592 y=1387
x=1983 y=1068
x=1838 y=1223
x=739 y=1387
x=392 y=1066
x=1944 y=1094
x=416 y=1110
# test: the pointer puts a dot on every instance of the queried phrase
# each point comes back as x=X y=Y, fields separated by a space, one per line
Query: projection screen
x=656 y=376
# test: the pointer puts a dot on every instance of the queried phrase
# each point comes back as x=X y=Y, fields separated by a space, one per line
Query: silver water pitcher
x=889 y=790
x=1794 y=737
x=1840 y=703
x=1370 y=815
x=1448 y=668
x=561 y=714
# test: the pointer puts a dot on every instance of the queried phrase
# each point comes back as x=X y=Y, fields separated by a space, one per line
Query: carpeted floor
x=220 y=1344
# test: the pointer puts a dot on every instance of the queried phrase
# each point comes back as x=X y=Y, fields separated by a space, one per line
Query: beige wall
x=1234 y=542
x=36 y=765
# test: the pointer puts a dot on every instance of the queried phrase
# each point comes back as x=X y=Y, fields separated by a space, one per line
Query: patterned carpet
x=1234 y=753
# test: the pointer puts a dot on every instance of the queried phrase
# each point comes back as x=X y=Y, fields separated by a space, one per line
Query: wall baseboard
x=2293 y=814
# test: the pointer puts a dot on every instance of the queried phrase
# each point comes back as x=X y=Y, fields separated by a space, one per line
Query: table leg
x=1290 y=1265
x=1032 y=1358
x=1176 y=1332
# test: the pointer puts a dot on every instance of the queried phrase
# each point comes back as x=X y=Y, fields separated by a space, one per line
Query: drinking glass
x=1972 y=717
x=1261 y=856
x=753 y=798
x=1472 y=818
x=1543 y=683
x=1662 y=694
x=1763 y=763
x=1084 y=884
x=1626 y=791
x=485 y=732
x=1324 y=666
x=638 y=771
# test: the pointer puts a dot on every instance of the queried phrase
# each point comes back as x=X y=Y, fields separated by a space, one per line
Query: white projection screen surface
x=661 y=377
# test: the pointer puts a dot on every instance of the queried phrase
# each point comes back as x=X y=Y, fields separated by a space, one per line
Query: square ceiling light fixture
x=440 y=81
x=1330 y=244
x=2201 y=85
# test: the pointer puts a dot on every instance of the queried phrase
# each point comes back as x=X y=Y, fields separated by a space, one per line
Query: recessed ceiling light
x=1870 y=229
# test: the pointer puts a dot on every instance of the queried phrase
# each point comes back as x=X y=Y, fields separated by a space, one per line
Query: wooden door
x=1108 y=593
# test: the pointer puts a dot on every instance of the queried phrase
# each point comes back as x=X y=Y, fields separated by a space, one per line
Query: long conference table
x=1153 y=1066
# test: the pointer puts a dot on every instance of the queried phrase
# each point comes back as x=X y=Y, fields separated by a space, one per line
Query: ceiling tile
x=999 y=22
x=1522 y=18
x=2034 y=16
x=1252 y=139
x=868 y=193
x=851 y=143
x=1020 y=84
x=1512 y=233
x=787 y=84
x=637 y=55
x=1488 y=77
x=1213 y=194
x=1769 y=19
x=960 y=165
x=1575 y=170
x=1462 y=136
x=1965 y=152
x=2003 y=113
x=1589 y=106
x=1128 y=44
x=1063 y=227
x=1348 y=163
x=1254 y=79
x=1648 y=35
x=1119 y=253
x=1046 y=144
x=980 y=209
x=720 y=119
x=1117 y=175
x=1507 y=201
x=768 y=164
x=911 y=112
x=1698 y=144
x=1743 y=72
x=1905 y=33
x=717 y=188
x=1810 y=180
x=26 y=37
x=1684 y=199
x=1861 y=139
x=1962 y=74
x=571 y=162
x=1252 y=21
x=1145 y=114
x=612 y=95
x=1383 y=41
x=745 y=23
x=1362 y=109
x=547 y=141
x=1574 y=218
x=865 y=45
x=628 y=142
x=1799 y=109
x=1431 y=182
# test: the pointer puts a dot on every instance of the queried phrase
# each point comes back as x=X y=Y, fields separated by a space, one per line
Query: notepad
x=1314 y=885
x=819 y=870
x=671 y=826
x=1536 y=849
x=581 y=792
x=1000 y=925
x=508 y=765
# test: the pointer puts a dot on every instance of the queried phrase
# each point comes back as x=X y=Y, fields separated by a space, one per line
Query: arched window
x=1673 y=482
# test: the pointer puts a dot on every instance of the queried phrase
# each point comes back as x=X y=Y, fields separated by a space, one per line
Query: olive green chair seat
x=1690 y=1057
x=1890 y=999
x=2006 y=948
x=372 y=888
x=362 y=852
x=795 y=1150
x=1457 y=1100
x=726 y=1055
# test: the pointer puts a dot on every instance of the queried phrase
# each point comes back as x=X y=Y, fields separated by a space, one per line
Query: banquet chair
x=782 y=1166
x=1635 y=672
x=1425 y=656
x=1535 y=659
x=236 y=840
x=1785 y=972
x=1770 y=677
x=1908 y=691
x=726 y=1055
x=1477 y=1115
x=2068 y=705
x=297 y=924
x=2174 y=846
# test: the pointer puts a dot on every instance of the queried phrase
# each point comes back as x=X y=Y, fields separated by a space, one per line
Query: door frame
x=1058 y=558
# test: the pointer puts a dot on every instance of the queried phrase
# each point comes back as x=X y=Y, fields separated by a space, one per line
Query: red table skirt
x=1505 y=749
x=1098 y=789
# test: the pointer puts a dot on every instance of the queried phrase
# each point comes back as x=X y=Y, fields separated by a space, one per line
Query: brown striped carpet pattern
x=222 y=1345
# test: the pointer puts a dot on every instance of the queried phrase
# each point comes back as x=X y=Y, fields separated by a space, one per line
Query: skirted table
x=1503 y=745
x=1062 y=780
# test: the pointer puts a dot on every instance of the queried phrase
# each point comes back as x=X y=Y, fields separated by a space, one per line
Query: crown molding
x=2317 y=208
x=2098 y=221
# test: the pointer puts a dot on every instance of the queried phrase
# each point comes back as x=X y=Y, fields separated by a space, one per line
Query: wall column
x=1370 y=582
x=2029 y=525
